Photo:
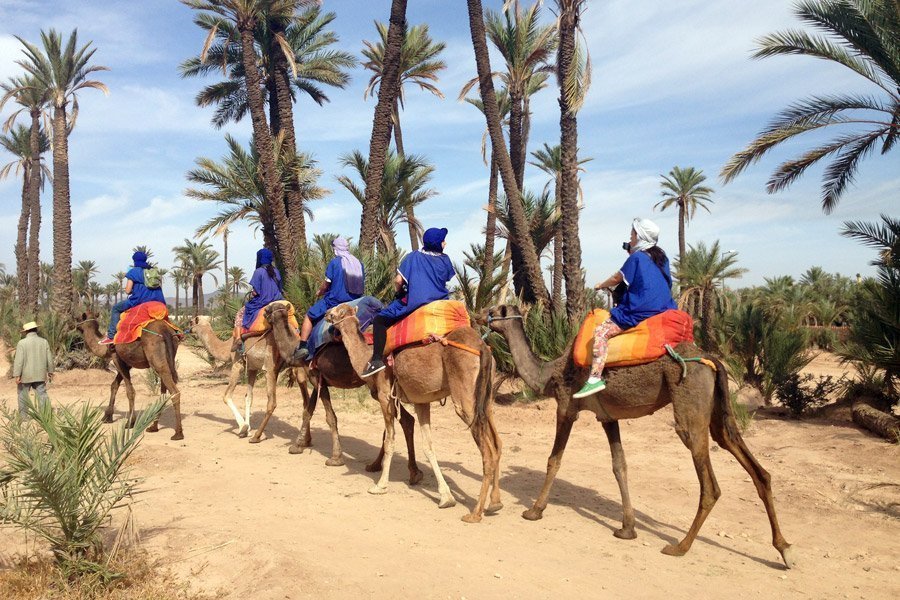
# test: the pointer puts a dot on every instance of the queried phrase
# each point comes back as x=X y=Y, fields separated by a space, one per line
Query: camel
x=462 y=367
x=701 y=406
x=332 y=369
x=156 y=350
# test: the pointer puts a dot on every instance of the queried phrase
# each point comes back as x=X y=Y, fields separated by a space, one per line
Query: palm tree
x=684 y=188
x=419 y=65
x=120 y=281
x=198 y=259
x=111 y=291
x=62 y=71
x=388 y=92
x=245 y=15
x=238 y=280
x=32 y=97
x=18 y=143
x=535 y=287
x=235 y=184
x=549 y=160
x=403 y=187
x=179 y=279
x=862 y=36
x=83 y=276
x=295 y=58
x=698 y=271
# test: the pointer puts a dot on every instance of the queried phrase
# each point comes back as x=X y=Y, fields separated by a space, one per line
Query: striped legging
x=602 y=333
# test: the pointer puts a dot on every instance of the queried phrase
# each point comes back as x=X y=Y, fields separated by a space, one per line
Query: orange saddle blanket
x=435 y=318
x=260 y=323
x=133 y=321
x=641 y=344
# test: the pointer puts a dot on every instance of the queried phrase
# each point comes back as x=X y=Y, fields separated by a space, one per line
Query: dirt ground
x=243 y=520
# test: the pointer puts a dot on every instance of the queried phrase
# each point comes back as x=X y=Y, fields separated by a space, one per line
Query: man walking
x=33 y=366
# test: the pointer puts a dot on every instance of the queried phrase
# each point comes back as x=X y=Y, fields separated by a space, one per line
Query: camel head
x=496 y=317
x=86 y=322
x=340 y=313
x=275 y=312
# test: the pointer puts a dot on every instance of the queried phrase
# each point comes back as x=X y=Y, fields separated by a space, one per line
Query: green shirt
x=33 y=359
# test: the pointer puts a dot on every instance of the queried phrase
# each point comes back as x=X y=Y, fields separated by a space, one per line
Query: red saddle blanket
x=434 y=319
x=133 y=321
x=641 y=344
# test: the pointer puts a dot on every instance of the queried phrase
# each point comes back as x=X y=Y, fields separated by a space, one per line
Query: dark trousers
x=379 y=332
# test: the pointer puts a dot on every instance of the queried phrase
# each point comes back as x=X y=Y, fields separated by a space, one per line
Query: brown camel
x=154 y=350
x=701 y=405
x=332 y=369
x=461 y=368
x=260 y=353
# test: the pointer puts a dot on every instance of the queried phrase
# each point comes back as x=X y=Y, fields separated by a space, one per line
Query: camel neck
x=91 y=334
x=220 y=349
x=285 y=339
x=357 y=349
x=533 y=371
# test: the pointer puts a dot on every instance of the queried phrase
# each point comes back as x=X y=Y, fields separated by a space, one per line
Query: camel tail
x=484 y=391
x=171 y=349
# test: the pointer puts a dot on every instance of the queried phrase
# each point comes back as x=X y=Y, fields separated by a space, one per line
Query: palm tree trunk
x=21 y=250
x=263 y=138
x=504 y=272
x=401 y=153
x=225 y=242
x=34 y=240
x=62 y=218
x=177 y=298
x=381 y=126
x=490 y=234
x=519 y=230
x=706 y=321
x=681 y=243
x=200 y=291
x=194 y=290
x=516 y=147
x=558 y=257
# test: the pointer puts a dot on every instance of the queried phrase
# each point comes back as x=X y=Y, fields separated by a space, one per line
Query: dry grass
x=145 y=579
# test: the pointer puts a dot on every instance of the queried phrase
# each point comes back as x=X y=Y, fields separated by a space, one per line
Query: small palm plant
x=62 y=477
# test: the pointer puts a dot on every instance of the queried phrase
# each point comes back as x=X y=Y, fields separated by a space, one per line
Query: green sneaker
x=590 y=389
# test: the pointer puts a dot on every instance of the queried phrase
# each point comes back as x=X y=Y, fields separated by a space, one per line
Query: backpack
x=152 y=278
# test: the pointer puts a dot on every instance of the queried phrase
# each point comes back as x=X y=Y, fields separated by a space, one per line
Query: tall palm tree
x=120 y=280
x=862 y=36
x=699 y=271
x=419 y=64
x=199 y=259
x=18 y=143
x=549 y=160
x=388 y=92
x=83 y=276
x=235 y=184
x=63 y=70
x=295 y=58
x=179 y=279
x=684 y=188
x=237 y=280
x=403 y=186
x=535 y=287
x=28 y=93
x=245 y=16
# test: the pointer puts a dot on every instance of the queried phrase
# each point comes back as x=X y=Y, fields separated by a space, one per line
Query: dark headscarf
x=434 y=238
x=140 y=260
x=264 y=257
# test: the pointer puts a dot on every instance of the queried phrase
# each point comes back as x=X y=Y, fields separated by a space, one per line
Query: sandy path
x=247 y=519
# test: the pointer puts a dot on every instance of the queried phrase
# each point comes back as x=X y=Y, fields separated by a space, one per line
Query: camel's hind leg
x=113 y=390
x=304 y=437
x=620 y=470
x=564 y=424
x=407 y=423
x=495 y=504
x=271 y=392
x=423 y=413
x=130 y=418
x=234 y=377
x=692 y=425
x=337 y=453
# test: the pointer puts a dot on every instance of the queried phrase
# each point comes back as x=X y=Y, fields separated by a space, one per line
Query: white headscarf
x=647 y=234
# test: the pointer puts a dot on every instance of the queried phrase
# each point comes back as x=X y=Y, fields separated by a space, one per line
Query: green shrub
x=802 y=393
x=742 y=414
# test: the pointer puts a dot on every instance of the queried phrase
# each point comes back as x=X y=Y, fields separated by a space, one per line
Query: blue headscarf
x=140 y=260
x=434 y=238
x=264 y=257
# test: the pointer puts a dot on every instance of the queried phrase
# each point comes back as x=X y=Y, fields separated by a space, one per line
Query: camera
x=626 y=246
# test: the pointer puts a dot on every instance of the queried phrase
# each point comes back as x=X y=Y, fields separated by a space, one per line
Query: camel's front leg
x=564 y=424
x=271 y=390
x=423 y=412
x=233 y=379
x=620 y=469
x=387 y=411
x=167 y=384
x=113 y=390
x=337 y=453
x=407 y=423
x=129 y=392
x=304 y=438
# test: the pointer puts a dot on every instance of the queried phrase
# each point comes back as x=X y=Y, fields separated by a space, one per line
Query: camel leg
x=233 y=379
x=730 y=439
x=495 y=504
x=337 y=454
x=304 y=438
x=564 y=424
x=620 y=470
x=129 y=392
x=375 y=465
x=407 y=423
x=271 y=390
x=387 y=411
x=167 y=382
x=113 y=390
x=423 y=413
x=693 y=431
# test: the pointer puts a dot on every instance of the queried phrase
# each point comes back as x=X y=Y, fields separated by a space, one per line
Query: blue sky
x=673 y=85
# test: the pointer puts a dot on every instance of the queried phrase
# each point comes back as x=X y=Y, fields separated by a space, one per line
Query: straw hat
x=29 y=326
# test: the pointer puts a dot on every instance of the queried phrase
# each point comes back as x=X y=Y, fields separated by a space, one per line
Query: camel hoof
x=415 y=477
x=788 y=556
x=625 y=533
x=295 y=449
x=255 y=439
x=448 y=502
x=493 y=507
x=533 y=514
x=374 y=467
x=178 y=436
x=377 y=490
x=674 y=550
x=334 y=462
x=471 y=518
x=153 y=428
x=244 y=431
x=107 y=418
